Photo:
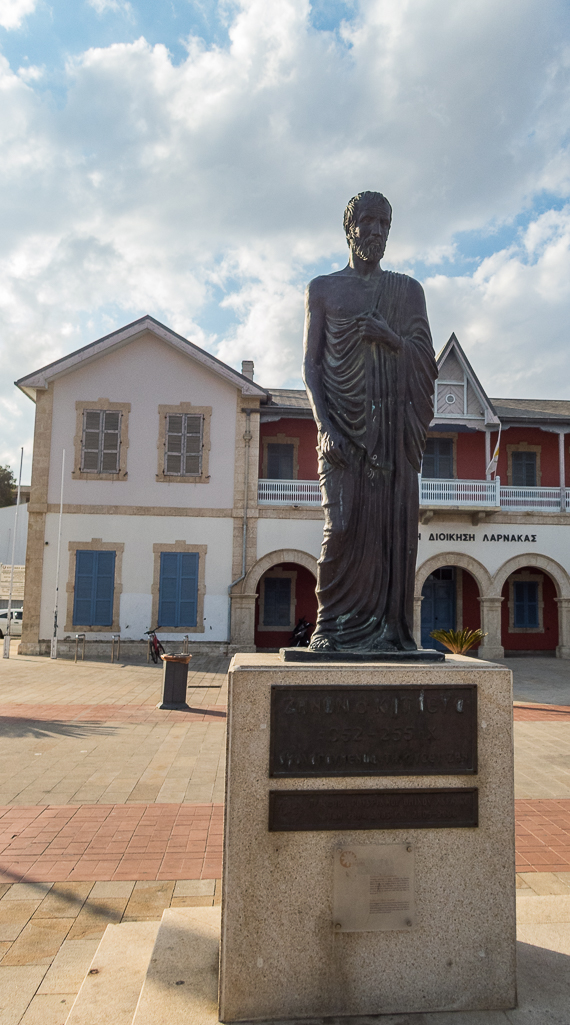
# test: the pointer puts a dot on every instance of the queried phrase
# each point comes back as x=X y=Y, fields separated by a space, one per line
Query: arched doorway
x=529 y=613
x=449 y=601
x=285 y=593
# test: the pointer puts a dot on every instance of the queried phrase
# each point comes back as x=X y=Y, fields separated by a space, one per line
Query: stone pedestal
x=320 y=921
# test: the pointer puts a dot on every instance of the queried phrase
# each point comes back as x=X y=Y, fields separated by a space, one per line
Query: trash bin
x=174 y=680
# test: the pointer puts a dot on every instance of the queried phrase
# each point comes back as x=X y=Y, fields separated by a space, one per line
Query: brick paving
x=541 y=713
x=543 y=836
x=99 y=842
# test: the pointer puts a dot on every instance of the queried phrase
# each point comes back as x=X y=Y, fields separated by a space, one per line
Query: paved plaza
x=111 y=810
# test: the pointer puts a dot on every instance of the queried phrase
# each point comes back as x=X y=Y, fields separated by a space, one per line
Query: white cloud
x=13 y=12
x=102 y=6
x=156 y=184
x=512 y=313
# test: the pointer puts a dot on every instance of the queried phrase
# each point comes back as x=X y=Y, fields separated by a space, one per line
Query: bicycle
x=155 y=649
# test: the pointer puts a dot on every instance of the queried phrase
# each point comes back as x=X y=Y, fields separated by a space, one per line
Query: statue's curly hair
x=350 y=212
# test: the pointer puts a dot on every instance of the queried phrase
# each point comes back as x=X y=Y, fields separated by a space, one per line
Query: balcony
x=289 y=492
x=470 y=495
x=488 y=494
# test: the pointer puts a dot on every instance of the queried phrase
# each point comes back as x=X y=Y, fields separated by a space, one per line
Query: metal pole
x=9 y=616
x=247 y=439
x=53 y=652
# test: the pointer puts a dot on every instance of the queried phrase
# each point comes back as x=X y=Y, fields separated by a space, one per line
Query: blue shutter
x=104 y=589
x=168 y=589
x=188 y=589
x=84 y=574
x=94 y=588
x=178 y=589
x=277 y=601
x=532 y=604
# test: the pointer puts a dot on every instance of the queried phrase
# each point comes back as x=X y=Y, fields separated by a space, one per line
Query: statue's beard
x=370 y=250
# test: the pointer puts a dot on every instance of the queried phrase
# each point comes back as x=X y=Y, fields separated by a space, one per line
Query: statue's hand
x=331 y=447
x=374 y=328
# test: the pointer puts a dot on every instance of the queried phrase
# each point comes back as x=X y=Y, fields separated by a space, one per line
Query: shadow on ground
x=17 y=727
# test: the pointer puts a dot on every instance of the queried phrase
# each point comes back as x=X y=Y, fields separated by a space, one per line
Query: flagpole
x=9 y=616
x=53 y=652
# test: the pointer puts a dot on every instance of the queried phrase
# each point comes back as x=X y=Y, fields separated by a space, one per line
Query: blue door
x=438 y=605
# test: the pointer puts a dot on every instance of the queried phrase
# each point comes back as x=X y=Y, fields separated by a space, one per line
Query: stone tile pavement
x=49 y=933
x=98 y=784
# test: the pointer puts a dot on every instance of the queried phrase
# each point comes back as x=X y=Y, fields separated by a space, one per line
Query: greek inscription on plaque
x=373 y=731
x=426 y=808
x=374 y=888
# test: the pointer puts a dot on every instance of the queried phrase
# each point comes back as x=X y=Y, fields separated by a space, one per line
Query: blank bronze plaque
x=429 y=808
x=373 y=731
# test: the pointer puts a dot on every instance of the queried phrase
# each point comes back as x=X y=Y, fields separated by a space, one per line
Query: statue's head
x=367 y=220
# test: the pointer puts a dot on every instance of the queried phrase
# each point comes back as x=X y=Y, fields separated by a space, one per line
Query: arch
x=476 y=569
x=549 y=566
x=273 y=559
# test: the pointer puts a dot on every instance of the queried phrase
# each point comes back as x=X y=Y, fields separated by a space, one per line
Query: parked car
x=15 y=625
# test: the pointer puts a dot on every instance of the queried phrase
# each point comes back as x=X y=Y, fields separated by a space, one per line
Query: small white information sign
x=374 y=888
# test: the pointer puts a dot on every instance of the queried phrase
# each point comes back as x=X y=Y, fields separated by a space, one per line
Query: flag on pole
x=492 y=467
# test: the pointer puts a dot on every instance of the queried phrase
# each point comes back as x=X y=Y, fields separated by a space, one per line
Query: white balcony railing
x=484 y=494
x=467 y=494
x=288 y=492
x=539 y=499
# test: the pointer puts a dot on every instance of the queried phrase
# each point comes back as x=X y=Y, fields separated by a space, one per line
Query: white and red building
x=191 y=503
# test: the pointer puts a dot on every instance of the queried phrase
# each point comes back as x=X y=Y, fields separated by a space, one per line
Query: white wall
x=7 y=515
x=304 y=535
x=139 y=533
x=146 y=372
x=551 y=540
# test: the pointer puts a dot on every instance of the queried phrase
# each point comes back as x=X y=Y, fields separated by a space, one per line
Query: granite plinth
x=281 y=956
x=304 y=655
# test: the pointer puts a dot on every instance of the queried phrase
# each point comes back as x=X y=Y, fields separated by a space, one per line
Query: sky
x=192 y=159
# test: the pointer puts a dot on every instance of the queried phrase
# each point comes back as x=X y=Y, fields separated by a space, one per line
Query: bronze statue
x=370 y=369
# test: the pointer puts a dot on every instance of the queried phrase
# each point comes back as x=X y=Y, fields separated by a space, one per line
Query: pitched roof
x=453 y=344
x=117 y=339
x=533 y=409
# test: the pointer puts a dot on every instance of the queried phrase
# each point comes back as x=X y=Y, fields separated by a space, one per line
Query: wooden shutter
x=193 y=446
x=524 y=469
x=101 y=441
x=174 y=428
x=184 y=444
x=94 y=588
x=178 y=589
x=111 y=436
x=525 y=593
x=280 y=461
x=277 y=601
x=91 y=440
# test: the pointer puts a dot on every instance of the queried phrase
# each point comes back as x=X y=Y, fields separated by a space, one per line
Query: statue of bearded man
x=369 y=369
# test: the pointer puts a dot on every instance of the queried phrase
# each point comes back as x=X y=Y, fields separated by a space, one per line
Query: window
x=280 y=461
x=101 y=441
x=438 y=459
x=183 y=444
x=178 y=589
x=277 y=602
x=526 y=608
x=524 y=469
x=94 y=588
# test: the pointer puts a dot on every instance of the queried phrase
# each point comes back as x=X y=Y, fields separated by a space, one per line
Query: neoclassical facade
x=191 y=504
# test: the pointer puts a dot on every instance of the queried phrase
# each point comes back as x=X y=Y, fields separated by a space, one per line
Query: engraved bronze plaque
x=441 y=808
x=374 y=888
x=373 y=731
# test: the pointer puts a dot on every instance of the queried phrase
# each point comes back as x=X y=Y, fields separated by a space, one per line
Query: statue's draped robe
x=382 y=402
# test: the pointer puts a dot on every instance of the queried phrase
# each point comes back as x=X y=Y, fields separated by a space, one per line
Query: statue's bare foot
x=322 y=644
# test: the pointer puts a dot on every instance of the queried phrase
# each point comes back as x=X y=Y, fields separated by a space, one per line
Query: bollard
x=174 y=680
x=117 y=638
x=80 y=637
